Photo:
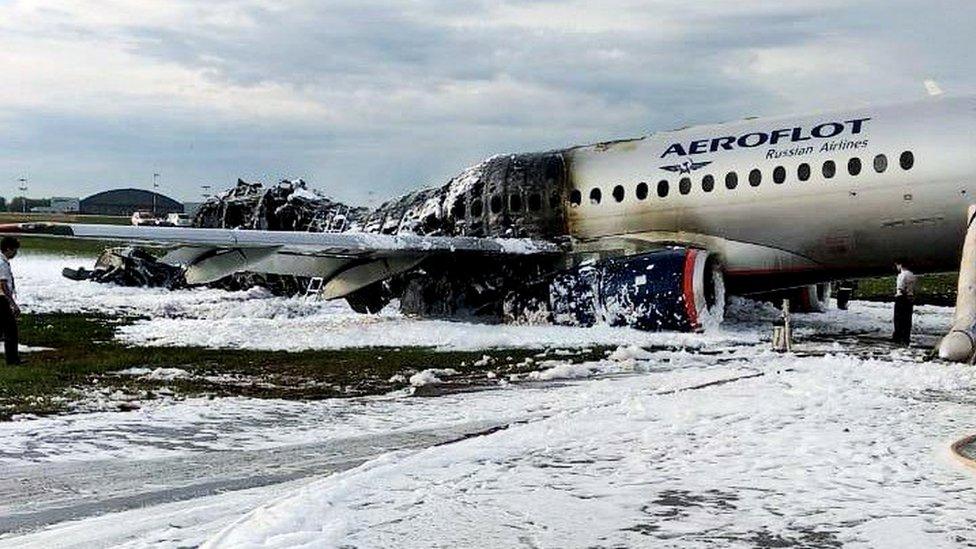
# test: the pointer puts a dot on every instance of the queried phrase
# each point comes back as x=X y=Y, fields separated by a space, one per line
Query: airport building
x=127 y=201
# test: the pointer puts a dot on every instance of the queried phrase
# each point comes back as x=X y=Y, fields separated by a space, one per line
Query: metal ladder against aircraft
x=315 y=286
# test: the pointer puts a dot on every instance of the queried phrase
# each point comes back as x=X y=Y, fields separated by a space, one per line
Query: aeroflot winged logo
x=775 y=138
x=685 y=167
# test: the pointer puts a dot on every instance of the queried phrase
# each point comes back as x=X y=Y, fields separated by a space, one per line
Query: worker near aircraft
x=904 y=304
x=9 y=310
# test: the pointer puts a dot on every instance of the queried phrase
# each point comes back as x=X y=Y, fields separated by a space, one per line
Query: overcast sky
x=366 y=99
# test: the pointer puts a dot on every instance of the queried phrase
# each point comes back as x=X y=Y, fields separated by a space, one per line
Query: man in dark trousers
x=9 y=310
x=904 y=304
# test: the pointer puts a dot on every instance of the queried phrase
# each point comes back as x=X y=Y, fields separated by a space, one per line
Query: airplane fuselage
x=790 y=200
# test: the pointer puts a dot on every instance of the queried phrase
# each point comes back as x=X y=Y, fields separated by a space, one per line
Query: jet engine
x=672 y=289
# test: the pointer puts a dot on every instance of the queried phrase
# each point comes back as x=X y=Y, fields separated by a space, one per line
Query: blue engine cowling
x=672 y=289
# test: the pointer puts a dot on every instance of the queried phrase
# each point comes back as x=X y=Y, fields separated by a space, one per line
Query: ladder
x=315 y=286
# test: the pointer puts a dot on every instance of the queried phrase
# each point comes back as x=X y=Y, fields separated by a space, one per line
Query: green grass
x=17 y=217
x=63 y=246
x=931 y=289
x=85 y=354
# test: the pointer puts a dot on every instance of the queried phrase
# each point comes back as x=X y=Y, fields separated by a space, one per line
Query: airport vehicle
x=178 y=220
x=648 y=232
x=141 y=217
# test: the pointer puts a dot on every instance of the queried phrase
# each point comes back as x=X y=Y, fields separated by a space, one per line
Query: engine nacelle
x=674 y=289
x=814 y=298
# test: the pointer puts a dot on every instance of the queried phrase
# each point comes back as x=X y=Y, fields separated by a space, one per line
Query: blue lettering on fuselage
x=750 y=140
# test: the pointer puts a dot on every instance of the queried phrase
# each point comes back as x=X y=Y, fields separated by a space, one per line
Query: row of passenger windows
x=515 y=204
x=755 y=177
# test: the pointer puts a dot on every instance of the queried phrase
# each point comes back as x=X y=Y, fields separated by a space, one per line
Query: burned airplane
x=650 y=232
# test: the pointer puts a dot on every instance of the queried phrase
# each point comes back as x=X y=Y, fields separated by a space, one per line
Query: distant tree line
x=16 y=204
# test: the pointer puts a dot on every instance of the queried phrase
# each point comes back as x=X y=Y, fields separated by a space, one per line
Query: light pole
x=155 y=186
x=23 y=192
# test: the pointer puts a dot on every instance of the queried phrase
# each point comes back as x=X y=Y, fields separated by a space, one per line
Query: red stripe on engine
x=688 y=288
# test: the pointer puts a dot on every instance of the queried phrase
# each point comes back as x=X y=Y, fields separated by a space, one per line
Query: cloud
x=370 y=98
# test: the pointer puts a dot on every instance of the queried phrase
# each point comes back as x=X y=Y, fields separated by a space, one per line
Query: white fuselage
x=820 y=228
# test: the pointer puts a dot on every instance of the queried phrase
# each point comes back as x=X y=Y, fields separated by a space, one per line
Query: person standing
x=9 y=310
x=904 y=304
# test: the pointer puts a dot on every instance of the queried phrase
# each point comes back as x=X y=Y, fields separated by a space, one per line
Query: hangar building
x=127 y=201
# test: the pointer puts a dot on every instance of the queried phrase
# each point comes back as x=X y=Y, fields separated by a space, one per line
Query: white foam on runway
x=817 y=452
x=638 y=449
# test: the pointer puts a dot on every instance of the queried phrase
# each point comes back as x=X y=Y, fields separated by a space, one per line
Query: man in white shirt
x=9 y=310
x=904 y=304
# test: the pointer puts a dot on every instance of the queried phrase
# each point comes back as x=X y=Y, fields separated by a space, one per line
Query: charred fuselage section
x=512 y=196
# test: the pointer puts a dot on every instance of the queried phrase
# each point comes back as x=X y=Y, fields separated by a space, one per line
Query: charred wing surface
x=130 y=266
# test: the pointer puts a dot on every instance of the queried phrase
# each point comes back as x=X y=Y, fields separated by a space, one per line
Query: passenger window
x=907 y=160
x=803 y=172
x=476 y=208
x=515 y=202
x=662 y=188
x=755 y=178
x=535 y=202
x=829 y=169
x=731 y=180
x=854 y=166
x=496 y=204
x=575 y=197
x=595 y=196
x=880 y=163
x=779 y=175
x=618 y=193
x=641 y=191
x=684 y=186
x=708 y=183
x=458 y=209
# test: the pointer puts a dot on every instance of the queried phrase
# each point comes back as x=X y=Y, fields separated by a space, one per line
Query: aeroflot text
x=826 y=130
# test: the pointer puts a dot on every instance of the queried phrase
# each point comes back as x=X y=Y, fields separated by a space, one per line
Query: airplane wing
x=345 y=261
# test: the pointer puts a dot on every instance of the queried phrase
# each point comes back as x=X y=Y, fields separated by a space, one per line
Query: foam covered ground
x=254 y=319
x=720 y=444
x=817 y=452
